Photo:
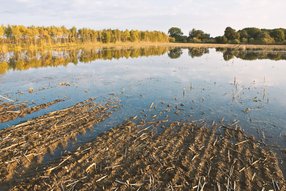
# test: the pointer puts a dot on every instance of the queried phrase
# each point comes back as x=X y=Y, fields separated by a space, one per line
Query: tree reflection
x=175 y=53
x=251 y=54
x=23 y=60
x=197 y=52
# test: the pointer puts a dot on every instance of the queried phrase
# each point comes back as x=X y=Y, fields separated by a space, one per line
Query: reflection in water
x=249 y=54
x=24 y=60
x=35 y=59
x=175 y=53
x=205 y=88
x=197 y=52
x=193 y=52
x=229 y=53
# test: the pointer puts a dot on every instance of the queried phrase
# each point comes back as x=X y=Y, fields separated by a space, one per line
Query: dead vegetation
x=28 y=142
x=10 y=111
x=182 y=156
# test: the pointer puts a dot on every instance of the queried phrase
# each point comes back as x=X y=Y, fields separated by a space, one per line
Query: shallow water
x=189 y=84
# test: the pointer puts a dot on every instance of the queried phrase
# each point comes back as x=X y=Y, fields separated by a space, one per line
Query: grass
x=6 y=48
x=236 y=46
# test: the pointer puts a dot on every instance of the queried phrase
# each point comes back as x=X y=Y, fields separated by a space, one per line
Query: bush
x=244 y=40
x=221 y=39
x=235 y=41
x=196 y=40
x=172 y=39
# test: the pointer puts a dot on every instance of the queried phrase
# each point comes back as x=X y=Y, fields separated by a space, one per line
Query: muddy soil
x=10 y=111
x=27 y=143
x=181 y=156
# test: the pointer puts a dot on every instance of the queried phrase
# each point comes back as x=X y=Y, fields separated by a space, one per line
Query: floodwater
x=227 y=85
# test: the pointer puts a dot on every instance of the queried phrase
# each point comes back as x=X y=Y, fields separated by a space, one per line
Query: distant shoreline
x=197 y=45
x=5 y=48
x=235 y=46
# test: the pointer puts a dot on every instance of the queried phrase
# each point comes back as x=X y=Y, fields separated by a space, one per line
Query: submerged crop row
x=27 y=143
x=134 y=155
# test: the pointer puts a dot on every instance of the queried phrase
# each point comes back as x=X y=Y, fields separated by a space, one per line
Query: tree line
x=26 y=59
x=230 y=53
x=39 y=36
x=32 y=35
x=245 y=36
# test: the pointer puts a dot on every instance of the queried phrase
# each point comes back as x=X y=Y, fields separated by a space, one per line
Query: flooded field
x=85 y=114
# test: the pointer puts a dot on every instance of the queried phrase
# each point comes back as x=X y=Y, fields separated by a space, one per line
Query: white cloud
x=211 y=16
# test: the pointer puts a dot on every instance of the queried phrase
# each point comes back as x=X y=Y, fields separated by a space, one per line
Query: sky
x=212 y=16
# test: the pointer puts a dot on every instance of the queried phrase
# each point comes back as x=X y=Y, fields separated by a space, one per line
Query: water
x=209 y=84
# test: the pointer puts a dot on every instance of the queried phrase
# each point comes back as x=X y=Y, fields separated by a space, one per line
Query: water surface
x=189 y=84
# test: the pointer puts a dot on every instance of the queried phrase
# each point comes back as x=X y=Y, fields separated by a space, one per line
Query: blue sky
x=211 y=16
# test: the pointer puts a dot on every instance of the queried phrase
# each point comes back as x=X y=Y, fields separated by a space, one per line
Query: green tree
x=265 y=38
x=278 y=35
x=177 y=33
x=198 y=36
x=231 y=34
x=221 y=39
x=243 y=36
x=252 y=32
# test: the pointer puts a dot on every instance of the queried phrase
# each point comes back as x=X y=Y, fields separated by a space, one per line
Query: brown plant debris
x=29 y=141
x=184 y=156
x=10 y=111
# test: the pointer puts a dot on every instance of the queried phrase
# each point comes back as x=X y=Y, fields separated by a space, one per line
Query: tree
x=278 y=35
x=265 y=38
x=198 y=36
x=106 y=36
x=72 y=34
x=176 y=33
x=21 y=35
x=134 y=35
x=252 y=32
x=16 y=33
x=243 y=36
x=2 y=32
x=3 y=67
x=125 y=36
x=221 y=39
x=231 y=34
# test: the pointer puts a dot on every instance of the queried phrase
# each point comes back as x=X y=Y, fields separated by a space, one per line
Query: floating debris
x=31 y=90
x=247 y=110
x=64 y=84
